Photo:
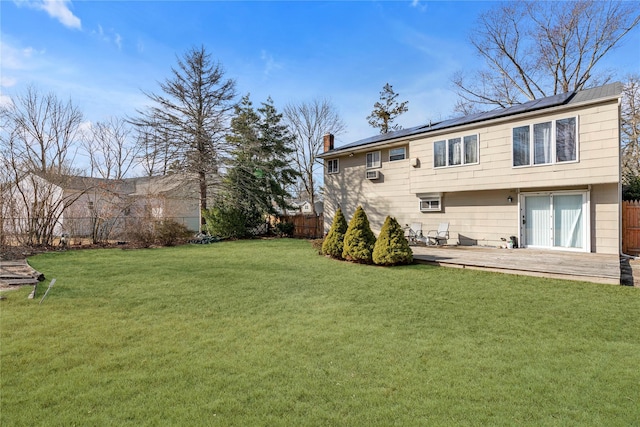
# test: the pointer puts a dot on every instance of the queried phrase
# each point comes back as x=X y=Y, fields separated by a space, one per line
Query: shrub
x=285 y=228
x=359 y=239
x=141 y=232
x=392 y=248
x=333 y=244
x=228 y=221
x=169 y=232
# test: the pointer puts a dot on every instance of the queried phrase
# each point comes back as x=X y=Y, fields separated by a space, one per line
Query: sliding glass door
x=555 y=220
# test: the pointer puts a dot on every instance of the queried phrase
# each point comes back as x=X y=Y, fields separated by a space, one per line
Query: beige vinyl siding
x=597 y=158
x=605 y=219
x=475 y=197
x=484 y=217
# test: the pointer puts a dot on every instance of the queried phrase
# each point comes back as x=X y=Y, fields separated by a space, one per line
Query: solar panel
x=536 y=104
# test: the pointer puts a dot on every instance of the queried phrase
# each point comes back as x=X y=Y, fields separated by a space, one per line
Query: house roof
x=130 y=186
x=612 y=90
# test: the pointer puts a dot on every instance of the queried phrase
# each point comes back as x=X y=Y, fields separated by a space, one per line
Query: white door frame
x=586 y=212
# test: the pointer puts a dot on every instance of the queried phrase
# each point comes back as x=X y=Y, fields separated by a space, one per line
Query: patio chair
x=439 y=236
x=413 y=233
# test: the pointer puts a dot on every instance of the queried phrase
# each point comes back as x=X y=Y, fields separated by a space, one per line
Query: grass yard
x=268 y=333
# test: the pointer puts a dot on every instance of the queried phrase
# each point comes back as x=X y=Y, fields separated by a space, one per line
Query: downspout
x=620 y=235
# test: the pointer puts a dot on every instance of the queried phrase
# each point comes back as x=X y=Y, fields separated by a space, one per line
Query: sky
x=103 y=54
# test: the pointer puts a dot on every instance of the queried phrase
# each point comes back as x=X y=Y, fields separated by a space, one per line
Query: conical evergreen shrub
x=334 y=242
x=359 y=239
x=392 y=248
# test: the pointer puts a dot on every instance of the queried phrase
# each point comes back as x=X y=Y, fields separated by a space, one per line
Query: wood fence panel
x=306 y=226
x=631 y=227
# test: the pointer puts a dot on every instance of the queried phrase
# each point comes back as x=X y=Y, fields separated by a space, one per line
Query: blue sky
x=102 y=54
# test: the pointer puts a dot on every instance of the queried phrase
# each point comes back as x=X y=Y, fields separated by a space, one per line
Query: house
x=306 y=208
x=546 y=171
x=96 y=207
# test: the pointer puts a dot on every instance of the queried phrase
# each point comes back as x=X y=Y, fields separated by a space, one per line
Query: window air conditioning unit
x=373 y=174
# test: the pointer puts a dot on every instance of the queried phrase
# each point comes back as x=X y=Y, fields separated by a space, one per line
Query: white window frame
x=447 y=142
x=333 y=166
x=430 y=202
x=586 y=206
x=397 y=156
x=372 y=164
x=554 y=143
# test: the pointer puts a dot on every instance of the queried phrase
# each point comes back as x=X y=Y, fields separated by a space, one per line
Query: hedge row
x=356 y=242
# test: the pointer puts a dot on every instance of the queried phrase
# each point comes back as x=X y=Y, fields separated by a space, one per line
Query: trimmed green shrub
x=392 y=248
x=285 y=228
x=226 y=221
x=359 y=240
x=333 y=244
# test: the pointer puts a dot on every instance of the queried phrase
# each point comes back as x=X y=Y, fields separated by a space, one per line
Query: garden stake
x=47 y=291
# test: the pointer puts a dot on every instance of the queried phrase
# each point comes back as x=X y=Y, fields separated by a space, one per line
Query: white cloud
x=5 y=101
x=269 y=63
x=109 y=36
x=14 y=58
x=7 y=81
x=57 y=9
x=421 y=7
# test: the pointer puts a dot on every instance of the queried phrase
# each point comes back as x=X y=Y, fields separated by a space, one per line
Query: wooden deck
x=15 y=273
x=589 y=267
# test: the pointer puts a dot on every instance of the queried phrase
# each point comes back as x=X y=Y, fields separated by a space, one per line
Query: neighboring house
x=102 y=207
x=546 y=171
x=306 y=209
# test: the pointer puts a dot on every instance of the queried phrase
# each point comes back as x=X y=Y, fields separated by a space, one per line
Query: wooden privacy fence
x=631 y=227
x=306 y=226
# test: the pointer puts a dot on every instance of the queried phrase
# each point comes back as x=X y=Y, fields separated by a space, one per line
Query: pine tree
x=258 y=173
x=243 y=194
x=386 y=110
x=359 y=240
x=191 y=113
x=277 y=148
x=392 y=248
x=333 y=244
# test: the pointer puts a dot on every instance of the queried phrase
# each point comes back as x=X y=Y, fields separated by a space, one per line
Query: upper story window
x=397 y=154
x=332 y=166
x=545 y=143
x=373 y=160
x=456 y=151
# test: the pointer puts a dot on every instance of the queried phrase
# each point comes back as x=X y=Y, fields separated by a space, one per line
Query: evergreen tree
x=359 y=240
x=243 y=193
x=258 y=174
x=333 y=244
x=277 y=150
x=386 y=110
x=392 y=247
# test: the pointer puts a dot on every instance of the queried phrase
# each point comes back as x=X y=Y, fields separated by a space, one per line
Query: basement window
x=430 y=203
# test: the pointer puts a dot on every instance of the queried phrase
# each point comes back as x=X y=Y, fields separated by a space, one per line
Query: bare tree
x=193 y=112
x=156 y=153
x=630 y=129
x=386 y=110
x=308 y=122
x=534 y=49
x=109 y=148
x=38 y=140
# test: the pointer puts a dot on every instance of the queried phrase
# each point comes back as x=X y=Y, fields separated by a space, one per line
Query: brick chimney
x=328 y=142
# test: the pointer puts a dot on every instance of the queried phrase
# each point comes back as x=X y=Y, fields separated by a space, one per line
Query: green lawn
x=267 y=333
